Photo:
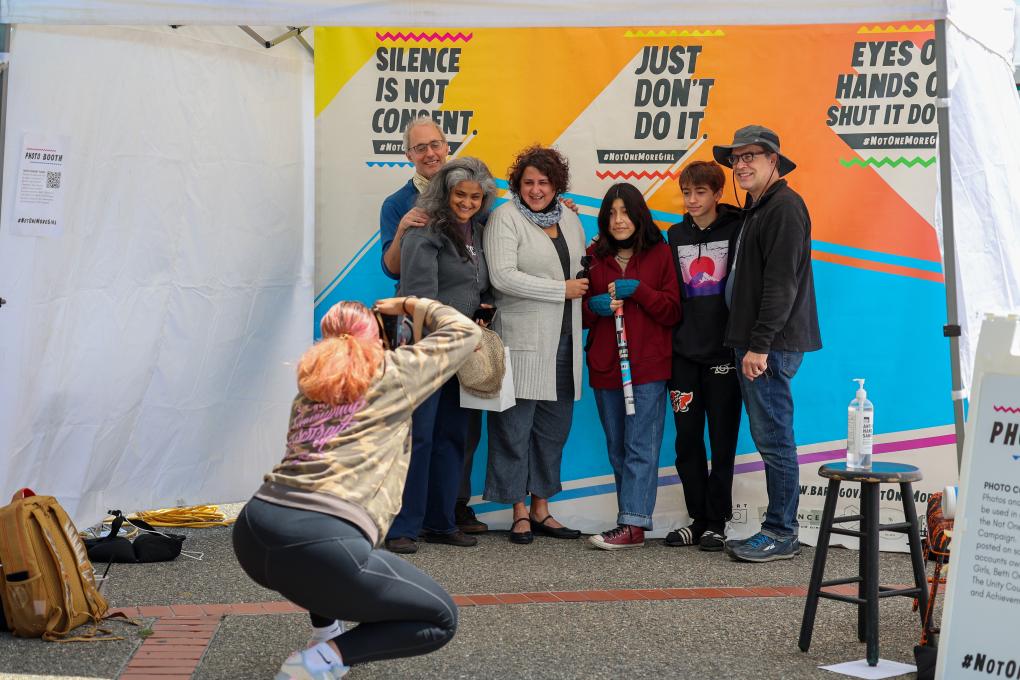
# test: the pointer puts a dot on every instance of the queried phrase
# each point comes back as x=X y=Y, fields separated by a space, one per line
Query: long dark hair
x=435 y=200
x=646 y=234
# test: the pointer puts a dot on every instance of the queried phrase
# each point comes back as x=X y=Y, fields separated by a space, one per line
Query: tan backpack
x=47 y=583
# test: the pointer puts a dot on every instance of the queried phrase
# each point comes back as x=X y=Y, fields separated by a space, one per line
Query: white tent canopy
x=454 y=13
x=147 y=353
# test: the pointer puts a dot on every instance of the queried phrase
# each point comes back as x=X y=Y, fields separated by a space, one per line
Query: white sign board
x=39 y=192
x=982 y=612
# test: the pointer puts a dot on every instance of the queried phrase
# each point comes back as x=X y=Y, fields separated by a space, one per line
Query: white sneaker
x=326 y=634
x=315 y=663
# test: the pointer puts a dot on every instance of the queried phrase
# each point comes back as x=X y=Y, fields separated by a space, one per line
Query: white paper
x=861 y=669
x=41 y=186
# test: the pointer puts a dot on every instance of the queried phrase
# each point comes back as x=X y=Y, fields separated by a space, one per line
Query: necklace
x=621 y=259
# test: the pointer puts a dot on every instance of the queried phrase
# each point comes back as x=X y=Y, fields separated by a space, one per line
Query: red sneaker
x=623 y=536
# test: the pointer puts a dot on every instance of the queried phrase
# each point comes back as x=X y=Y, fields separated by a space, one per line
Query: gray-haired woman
x=443 y=261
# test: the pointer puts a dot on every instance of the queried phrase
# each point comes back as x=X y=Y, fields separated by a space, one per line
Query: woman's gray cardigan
x=527 y=282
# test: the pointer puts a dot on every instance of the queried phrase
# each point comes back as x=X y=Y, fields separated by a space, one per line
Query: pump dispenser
x=859 y=431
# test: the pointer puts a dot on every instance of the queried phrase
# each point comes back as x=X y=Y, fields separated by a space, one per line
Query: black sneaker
x=466 y=521
x=711 y=541
x=689 y=535
x=457 y=538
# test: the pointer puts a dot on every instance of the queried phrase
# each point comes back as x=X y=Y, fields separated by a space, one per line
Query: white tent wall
x=148 y=353
x=985 y=146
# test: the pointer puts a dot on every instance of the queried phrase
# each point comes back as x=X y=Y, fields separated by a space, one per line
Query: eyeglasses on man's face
x=744 y=157
x=435 y=145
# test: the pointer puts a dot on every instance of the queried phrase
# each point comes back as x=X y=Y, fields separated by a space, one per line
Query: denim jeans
x=769 y=404
x=438 y=430
x=633 y=443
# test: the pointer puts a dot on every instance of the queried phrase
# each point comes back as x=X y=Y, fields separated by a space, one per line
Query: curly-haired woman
x=534 y=248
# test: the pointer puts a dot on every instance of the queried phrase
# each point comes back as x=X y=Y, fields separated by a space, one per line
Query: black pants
x=700 y=393
x=327 y=566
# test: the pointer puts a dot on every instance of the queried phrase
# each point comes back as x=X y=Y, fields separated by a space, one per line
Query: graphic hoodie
x=702 y=260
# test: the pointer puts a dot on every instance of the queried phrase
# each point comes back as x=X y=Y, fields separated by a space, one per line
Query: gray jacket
x=430 y=267
x=528 y=287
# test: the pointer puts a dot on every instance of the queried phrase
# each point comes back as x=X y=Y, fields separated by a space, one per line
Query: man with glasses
x=772 y=322
x=425 y=146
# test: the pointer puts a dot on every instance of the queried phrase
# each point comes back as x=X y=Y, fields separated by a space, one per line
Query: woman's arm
x=427 y=364
x=419 y=264
x=501 y=242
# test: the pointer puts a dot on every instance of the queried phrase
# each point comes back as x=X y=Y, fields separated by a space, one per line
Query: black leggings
x=327 y=566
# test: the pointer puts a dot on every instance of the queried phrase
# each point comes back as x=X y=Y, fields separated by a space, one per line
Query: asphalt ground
x=745 y=637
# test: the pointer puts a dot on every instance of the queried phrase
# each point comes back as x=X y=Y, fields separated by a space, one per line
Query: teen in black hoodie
x=704 y=385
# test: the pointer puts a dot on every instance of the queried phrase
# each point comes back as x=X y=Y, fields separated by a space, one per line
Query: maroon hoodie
x=649 y=316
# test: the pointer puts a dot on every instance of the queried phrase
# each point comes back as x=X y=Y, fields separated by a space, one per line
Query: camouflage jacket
x=351 y=460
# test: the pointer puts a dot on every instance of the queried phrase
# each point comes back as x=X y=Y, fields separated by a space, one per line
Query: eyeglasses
x=435 y=145
x=745 y=157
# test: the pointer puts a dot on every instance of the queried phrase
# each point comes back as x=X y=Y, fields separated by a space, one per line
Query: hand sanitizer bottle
x=859 y=431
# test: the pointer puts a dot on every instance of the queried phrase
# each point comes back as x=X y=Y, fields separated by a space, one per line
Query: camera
x=396 y=330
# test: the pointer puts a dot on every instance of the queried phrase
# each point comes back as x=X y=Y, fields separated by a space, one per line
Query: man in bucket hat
x=772 y=322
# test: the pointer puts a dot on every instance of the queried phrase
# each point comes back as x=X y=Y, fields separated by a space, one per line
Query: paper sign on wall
x=40 y=188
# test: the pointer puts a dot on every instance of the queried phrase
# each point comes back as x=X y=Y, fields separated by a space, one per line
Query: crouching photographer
x=312 y=530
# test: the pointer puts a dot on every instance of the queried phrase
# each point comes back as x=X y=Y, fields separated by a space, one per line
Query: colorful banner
x=854 y=107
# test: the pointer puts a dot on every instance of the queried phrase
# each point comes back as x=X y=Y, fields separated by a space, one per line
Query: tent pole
x=952 y=327
x=5 y=47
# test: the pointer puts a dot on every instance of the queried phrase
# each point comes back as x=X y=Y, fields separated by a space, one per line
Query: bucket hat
x=482 y=374
x=753 y=134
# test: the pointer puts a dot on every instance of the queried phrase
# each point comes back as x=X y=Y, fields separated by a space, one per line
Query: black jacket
x=773 y=298
x=702 y=261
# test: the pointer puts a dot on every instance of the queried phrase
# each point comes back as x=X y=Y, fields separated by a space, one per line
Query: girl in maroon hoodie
x=630 y=267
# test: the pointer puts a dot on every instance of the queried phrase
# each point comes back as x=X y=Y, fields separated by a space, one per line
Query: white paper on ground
x=861 y=669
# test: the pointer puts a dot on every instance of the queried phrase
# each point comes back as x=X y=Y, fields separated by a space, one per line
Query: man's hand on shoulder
x=415 y=217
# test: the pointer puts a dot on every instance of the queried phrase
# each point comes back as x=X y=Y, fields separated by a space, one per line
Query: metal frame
x=292 y=32
x=952 y=328
x=5 y=46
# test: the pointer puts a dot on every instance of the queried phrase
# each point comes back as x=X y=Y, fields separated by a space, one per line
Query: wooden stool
x=868 y=588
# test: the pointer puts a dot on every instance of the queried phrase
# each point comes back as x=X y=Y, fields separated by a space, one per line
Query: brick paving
x=182 y=633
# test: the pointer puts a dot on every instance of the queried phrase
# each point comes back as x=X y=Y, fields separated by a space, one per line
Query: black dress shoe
x=457 y=538
x=541 y=528
x=522 y=537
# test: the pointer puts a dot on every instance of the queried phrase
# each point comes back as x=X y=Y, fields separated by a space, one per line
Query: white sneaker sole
x=599 y=543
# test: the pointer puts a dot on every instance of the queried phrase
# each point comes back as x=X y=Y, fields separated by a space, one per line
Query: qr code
x=52 y=180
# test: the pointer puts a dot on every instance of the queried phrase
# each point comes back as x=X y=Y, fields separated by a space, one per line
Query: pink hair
x=340 y=368
x=350 y=317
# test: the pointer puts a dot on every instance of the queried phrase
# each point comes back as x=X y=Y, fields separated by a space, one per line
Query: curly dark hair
x=547 y=161
x=646 y=233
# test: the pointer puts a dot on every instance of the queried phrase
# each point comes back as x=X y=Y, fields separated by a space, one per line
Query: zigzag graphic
x=894 y=29
x=427 y=37
x=891 y=162
x=1006 y=409
x=674 y=33
x=630 y=174
x=388 y=164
